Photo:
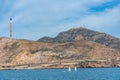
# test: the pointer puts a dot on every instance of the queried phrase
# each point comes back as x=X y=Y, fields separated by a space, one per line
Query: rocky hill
x=77 y=47
x=77 y=34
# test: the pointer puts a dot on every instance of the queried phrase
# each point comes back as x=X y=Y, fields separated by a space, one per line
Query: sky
x=34 y=19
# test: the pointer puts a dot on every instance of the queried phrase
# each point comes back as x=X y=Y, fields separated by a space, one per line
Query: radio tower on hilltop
x=10 y=28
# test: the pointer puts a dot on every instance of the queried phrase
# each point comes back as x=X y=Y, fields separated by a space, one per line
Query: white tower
x=10 y=28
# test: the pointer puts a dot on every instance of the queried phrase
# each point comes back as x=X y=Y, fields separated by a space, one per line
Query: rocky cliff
x=78 y=47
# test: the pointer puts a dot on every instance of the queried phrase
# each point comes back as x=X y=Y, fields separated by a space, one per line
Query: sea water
x=62 y=74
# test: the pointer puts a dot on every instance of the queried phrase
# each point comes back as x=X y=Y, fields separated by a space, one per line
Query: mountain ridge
x=82 y=33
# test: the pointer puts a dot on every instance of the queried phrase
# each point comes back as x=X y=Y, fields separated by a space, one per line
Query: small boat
x=69 y=69
x=75 y=68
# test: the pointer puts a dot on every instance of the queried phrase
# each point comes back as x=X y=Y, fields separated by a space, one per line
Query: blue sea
x=62 y=74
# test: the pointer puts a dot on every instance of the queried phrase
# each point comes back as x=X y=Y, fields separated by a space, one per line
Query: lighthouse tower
x=10 y=28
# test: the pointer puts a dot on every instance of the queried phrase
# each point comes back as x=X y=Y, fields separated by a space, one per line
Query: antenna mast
x=10 y=28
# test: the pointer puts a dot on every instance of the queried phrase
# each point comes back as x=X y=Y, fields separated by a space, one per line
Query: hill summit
x=77 y=34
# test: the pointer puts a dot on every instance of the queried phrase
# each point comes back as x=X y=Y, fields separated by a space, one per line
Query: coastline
x=52 y=66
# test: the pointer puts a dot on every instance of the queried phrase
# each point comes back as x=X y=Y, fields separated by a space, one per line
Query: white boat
x=69 y=69
x=75 y=68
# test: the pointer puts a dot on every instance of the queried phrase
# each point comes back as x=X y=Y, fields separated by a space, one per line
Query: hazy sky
x=33 y=19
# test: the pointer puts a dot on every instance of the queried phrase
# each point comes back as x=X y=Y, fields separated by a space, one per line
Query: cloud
x=50 y=11
x=34 y=19
x=106 y=21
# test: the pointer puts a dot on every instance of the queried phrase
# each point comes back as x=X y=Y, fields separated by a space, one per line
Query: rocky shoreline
x=56 y=66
